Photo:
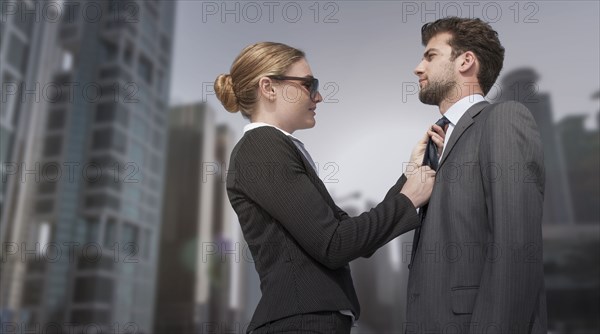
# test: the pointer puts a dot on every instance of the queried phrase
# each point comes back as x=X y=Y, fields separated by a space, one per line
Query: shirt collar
x=455 y=112
x=255 y=125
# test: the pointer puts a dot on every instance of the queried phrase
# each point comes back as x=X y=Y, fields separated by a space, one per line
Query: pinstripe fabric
x=478 y=266
x=309 y=323
x=301 y=242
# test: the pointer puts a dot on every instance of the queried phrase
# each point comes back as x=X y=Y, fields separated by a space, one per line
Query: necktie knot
x=431 y=152
x=443 y=122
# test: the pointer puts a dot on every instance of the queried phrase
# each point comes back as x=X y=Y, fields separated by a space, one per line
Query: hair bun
x=224 y=89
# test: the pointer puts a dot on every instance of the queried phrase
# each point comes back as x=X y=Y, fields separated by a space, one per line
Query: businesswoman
x=300 y=240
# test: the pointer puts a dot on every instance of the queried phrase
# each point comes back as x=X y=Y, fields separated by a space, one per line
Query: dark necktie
x=431 y=159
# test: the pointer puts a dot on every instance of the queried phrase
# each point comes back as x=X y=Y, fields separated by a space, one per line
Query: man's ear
x=467 y=61
x=266 y=89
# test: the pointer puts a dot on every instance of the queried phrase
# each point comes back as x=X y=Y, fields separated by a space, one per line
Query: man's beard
x=435 y=92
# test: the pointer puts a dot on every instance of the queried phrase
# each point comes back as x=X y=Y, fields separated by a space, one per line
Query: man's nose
x=419 y=69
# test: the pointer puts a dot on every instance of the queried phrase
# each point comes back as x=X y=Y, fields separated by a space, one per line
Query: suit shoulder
x=509 y=118
x=508 y=112
x=505 y=108
x=263 y=144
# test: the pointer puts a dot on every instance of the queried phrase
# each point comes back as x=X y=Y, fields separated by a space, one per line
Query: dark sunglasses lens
x=314 y=88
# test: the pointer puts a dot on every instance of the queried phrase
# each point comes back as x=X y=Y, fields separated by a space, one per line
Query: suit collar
x=254 y=125
x=458 y=109
x=463 y=124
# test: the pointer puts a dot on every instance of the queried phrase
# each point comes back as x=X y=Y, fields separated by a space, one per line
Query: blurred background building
x=201 y=267
x=522 y=85
x=86 y=133
x=571 y=221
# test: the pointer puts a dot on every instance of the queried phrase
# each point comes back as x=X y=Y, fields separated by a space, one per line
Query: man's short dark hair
x=472 y=35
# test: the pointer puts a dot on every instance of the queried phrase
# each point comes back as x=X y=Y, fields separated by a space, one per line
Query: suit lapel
x=314 y=177
x=463 y=124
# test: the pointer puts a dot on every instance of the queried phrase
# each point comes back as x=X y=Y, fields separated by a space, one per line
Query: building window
x=107 y=138
x=128 y=54
x=140 y=128
x=105 y=112
x=47 y=187
x=129 y=235
x=109 y=51
x=93 y=289
x=145 y=69
x=95 y=316
x=53 y=145
x=33 y=292
x=110 y=233
x=131 y=211
x=9 y=84
x=147 y=243
x=91 y=229
x=101 y=139
x=5 y=144
x=98 y=201
x=56 y=119
x=2 y=30
x=132 y=192
x=17 y=53
x=67 y=60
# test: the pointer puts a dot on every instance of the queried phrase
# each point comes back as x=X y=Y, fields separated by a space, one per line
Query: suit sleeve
x=395 y=189
x=513 y=175
x=272 y=175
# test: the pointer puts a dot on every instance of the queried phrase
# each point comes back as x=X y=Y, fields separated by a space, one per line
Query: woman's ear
x=266 y=89
x=467 y=62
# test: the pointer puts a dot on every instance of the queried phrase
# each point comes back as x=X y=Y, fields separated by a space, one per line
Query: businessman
x=476 y=263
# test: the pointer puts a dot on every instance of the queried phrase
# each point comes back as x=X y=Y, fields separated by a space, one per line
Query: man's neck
x=447 y=103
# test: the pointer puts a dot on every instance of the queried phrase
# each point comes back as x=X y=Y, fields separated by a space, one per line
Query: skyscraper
x=27 y=57
x=200 y=270
x=521 y=85
x=92 y=218
x=582 y=150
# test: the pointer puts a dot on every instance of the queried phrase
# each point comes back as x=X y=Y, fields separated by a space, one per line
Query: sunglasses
x=312 y=84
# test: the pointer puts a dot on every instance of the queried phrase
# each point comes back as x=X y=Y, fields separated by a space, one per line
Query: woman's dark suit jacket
x=301 y=242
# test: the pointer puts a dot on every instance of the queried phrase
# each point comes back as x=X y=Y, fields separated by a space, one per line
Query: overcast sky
x=364 y=52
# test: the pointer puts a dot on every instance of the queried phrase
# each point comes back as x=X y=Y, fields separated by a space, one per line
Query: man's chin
x=430 y=100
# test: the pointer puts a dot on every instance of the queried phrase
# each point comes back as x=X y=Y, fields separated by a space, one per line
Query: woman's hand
x=437 y=134
x=419 y=185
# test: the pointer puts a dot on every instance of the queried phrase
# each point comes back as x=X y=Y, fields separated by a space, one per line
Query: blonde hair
x=237 y=90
